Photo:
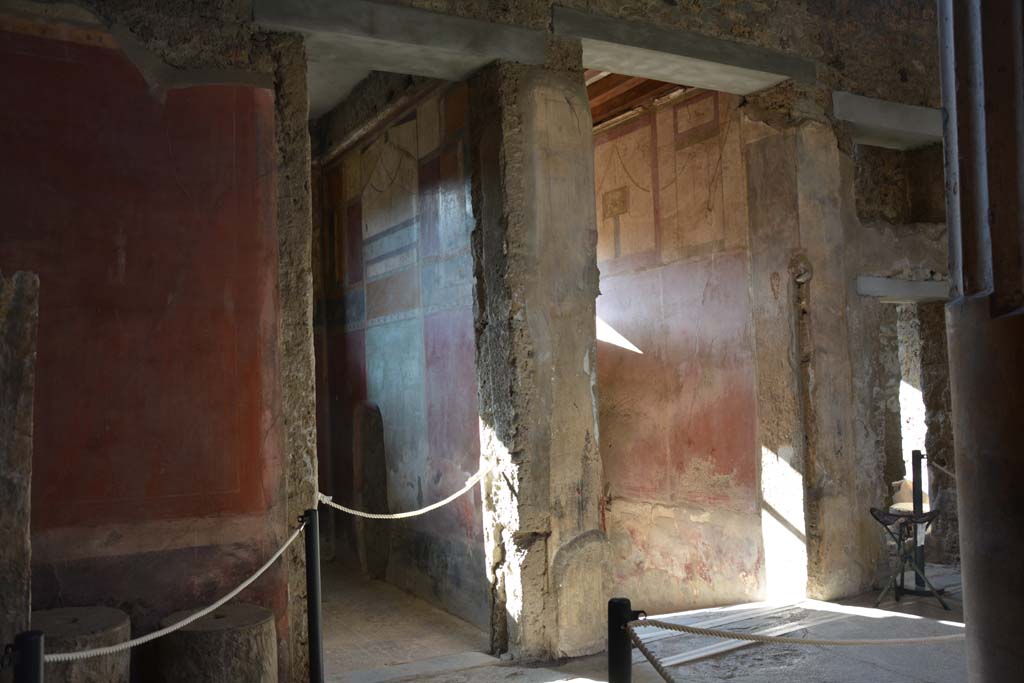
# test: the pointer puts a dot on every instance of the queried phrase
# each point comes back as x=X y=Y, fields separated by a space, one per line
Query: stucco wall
x=19 y=318
x=174 y=50
x=399 y=319
x=152 y=226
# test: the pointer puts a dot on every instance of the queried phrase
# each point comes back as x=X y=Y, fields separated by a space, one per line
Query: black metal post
x=316 y=643
x=916 y=458
x=620 y=649
x=28 y=657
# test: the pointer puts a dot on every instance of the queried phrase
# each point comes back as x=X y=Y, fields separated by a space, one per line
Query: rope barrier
x=942 y=469
x=54 y=657
x=195 y=616
x=327 y=500
x=654 y=661
x=755 y=638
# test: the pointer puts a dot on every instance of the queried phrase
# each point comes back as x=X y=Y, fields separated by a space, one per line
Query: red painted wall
x=151 y=225
x=151 y=228
x=678 y=413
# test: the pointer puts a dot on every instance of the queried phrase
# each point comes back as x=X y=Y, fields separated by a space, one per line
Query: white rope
x=413 y=513
x=662 y=670
x=666 y=675
x=195 y=616
x=942 y=469
x=756 y=638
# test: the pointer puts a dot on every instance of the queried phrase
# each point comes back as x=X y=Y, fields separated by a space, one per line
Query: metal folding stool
x=902 y=528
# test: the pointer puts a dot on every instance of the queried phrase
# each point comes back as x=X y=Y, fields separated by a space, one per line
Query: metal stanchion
x=28 y=657
x=316 y=645
x=620 y=649
x=919 y=529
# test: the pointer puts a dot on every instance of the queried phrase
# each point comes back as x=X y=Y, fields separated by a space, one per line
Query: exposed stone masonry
x=19 y=315
x=534 y=259
x=943 y=544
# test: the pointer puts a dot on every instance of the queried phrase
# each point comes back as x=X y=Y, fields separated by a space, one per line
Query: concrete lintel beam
x=891 y=290
x=346 y=39
x=887 y=124
x=639 y=49
x=382 y=27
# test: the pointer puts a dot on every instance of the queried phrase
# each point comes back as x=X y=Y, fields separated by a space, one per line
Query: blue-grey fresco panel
x=448 y=283
x=390 y=241
x=394 y=377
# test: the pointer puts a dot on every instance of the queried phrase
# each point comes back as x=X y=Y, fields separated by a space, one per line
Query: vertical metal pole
x=28 y=653
x=316 y=644
x=919 y=529
x=620 y=650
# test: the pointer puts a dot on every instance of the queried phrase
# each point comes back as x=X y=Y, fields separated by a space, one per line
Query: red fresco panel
x=633 y=388
x=347 y=386
x=347 y=380
x=323 y=413
x=456 y=105
x=452 y=415
x=354 y=366
x=151 y=226
x=429 y=182
x=678 y=422
x=713 y=419
x=354 y=243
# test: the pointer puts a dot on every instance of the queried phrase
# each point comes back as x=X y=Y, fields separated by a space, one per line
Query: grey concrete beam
x=887 y=124
x=162 y=77
x=894 y=291
x=434 y=32
x=346 y=39
x=639 y=49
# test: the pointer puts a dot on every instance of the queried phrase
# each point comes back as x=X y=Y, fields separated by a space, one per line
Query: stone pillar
x=19 y=315
x=295 y=291
x=943 y=544
x=842 y=539
x=982 y=88
x=534 y=248
x=812 y=473
x=778 y=277
x=888 y=396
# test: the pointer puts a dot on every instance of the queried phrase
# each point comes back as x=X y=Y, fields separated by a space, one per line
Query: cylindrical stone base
x=235 y=644
x=72 y=629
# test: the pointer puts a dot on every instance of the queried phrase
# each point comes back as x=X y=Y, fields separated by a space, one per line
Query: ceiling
x=612 y=95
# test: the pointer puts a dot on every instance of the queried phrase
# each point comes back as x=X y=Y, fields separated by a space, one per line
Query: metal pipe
x=947 y=76
x=313 y=617
x=968 y=90
x=28 y=657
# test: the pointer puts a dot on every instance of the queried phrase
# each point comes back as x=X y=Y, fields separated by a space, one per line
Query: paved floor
x=412 y=641
x=371 y=625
